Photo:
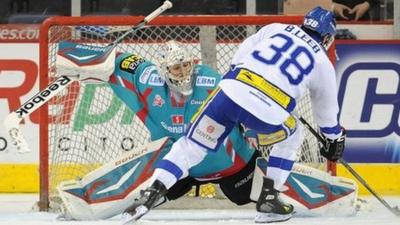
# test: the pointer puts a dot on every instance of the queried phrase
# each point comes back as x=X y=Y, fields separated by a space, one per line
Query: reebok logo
x=43 y=96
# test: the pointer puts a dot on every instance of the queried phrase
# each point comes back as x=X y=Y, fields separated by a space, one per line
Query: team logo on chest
x=205 y=81
x=158 y=101
x=177 y=119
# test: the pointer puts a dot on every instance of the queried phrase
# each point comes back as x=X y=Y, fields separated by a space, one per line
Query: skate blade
x=127 y=218
x=271 y=217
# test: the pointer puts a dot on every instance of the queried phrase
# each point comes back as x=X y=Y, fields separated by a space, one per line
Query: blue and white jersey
x=290 y=62
x=138 y=83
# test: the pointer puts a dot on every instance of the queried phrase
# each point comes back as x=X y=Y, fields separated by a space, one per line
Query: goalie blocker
x=110 y=189
x=85 y=61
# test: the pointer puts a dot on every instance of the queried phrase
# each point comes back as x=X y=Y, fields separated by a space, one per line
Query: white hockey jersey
x=291 y=62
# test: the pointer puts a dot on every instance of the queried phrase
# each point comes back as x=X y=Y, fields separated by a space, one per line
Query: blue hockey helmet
x=322 y=22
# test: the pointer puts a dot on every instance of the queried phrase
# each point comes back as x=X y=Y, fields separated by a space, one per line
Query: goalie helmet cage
x=86 y=125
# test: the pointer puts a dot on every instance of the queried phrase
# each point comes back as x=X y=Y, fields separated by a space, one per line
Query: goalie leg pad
x=110 y=189
x=312 y=192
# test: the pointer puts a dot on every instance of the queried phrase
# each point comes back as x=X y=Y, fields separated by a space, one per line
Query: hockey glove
x=333 y=149
x=87 y=62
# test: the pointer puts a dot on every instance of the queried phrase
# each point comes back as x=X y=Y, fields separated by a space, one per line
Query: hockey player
x=164 y=98
x=165 y=101
x=270 y=71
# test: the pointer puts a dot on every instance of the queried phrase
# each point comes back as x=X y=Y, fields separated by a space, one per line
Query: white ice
x=17 y=210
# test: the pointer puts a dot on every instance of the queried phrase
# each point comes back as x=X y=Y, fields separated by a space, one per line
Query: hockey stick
x=166 y=5
x=395 y=210
x=11 y=123
x=12 y=120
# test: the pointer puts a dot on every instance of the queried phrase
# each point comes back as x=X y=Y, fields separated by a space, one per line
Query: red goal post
x=65 y=147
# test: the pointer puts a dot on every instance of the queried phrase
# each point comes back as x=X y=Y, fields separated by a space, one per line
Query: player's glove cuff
x=333 y=149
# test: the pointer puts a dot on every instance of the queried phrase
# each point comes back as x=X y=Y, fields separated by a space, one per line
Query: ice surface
x=17 y=210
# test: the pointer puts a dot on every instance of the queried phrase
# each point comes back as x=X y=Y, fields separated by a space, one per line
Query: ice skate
x=270 y=207
x=148 y=200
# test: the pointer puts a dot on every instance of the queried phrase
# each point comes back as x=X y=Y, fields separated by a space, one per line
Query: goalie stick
x=395 y=210
x=12 y=120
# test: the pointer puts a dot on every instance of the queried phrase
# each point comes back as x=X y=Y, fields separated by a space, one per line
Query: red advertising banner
x=19 y=33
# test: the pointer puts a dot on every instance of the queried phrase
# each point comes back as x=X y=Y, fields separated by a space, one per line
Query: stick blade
x=396 y=211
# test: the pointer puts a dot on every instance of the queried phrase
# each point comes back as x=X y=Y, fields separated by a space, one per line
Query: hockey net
x=87 y=125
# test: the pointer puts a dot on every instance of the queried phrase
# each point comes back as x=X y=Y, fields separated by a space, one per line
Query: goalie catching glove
x=333 y=149
x=85 y=61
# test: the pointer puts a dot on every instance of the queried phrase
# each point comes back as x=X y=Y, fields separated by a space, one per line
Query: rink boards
x=369 y=81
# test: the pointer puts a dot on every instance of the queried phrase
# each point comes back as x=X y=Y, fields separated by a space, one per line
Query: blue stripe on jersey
x=281 y=163
x=331 y=130
x=170 y=167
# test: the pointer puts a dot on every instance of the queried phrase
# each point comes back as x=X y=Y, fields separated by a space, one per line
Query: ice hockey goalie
x=110 y=189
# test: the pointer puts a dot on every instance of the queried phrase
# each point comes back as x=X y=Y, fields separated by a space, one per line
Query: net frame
x=119 y=21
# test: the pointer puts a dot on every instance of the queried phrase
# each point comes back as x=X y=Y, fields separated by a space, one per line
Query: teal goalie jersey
x=138 y=83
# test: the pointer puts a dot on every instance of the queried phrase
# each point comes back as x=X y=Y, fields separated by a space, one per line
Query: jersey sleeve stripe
x=331 y=130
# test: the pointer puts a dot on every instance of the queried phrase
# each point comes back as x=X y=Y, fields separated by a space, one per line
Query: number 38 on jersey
x=294 y=61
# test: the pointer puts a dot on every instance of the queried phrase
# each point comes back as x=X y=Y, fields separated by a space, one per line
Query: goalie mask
x=322 y=23
x=176 y=65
